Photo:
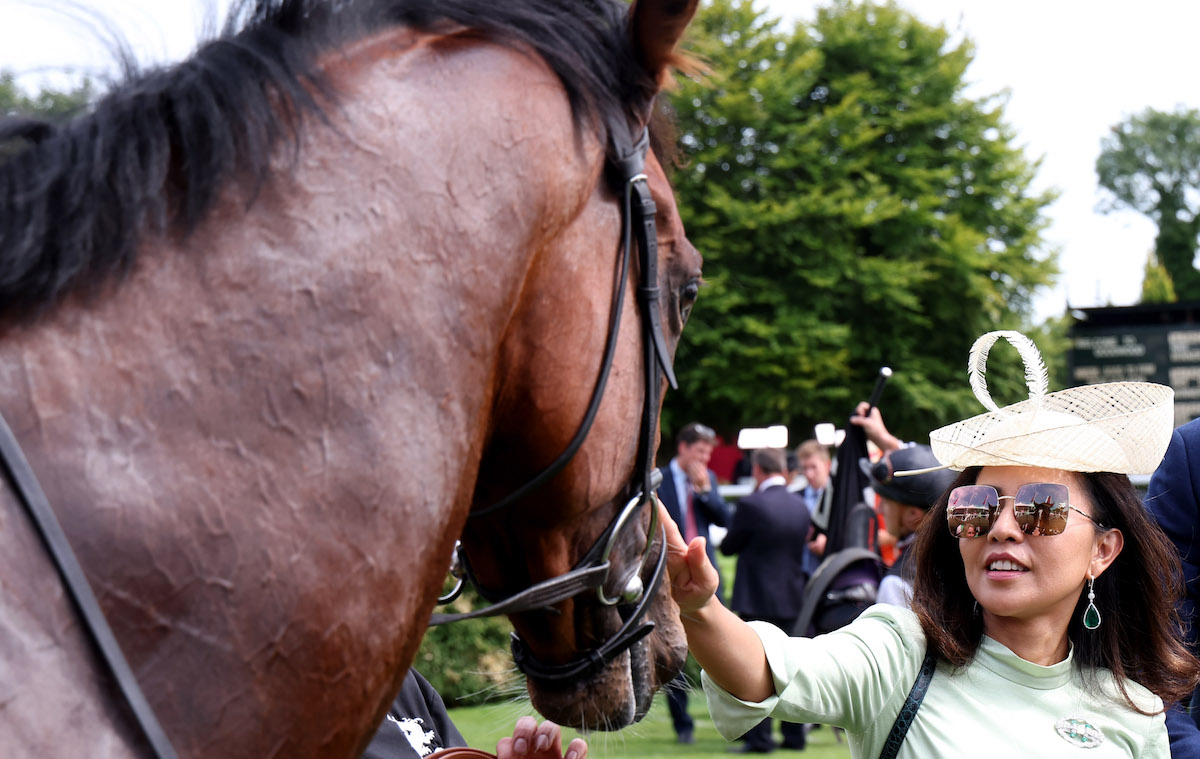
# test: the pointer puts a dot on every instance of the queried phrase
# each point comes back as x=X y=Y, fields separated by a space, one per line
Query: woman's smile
x=1004 y=566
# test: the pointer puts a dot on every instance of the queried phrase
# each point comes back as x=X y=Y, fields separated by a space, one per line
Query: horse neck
x=263 y=443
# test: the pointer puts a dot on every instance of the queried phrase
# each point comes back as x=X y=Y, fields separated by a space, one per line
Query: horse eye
x=687 y=296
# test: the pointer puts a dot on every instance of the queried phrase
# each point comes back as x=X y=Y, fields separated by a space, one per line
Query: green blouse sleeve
x=855 y=677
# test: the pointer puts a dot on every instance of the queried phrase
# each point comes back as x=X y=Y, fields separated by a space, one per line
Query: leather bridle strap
x=541 y=596
x=29 y=492
x=638 y=229
x=610 y=349
x=629 y=162
x=631 y=632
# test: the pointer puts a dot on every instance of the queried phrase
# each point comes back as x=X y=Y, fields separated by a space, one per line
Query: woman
x=1018 y=655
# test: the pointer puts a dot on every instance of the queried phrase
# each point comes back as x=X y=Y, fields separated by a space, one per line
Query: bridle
x=627 y=160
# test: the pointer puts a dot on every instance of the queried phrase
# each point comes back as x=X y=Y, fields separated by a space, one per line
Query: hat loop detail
x=1121 y=427
x=1037 y=378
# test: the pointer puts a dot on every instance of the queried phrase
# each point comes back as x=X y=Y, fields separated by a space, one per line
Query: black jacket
x=768 y=532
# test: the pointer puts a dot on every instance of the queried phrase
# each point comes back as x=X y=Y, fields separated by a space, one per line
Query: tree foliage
x=855 y=209
x=468 y=662
x=1151 y=163
x=1157 y=286
x=48 y=103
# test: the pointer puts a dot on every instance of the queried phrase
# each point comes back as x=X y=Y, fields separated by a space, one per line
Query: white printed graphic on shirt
x=420 y=739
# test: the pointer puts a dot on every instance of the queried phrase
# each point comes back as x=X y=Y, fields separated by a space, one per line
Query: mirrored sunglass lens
x=971 y=510
x=1041 y=508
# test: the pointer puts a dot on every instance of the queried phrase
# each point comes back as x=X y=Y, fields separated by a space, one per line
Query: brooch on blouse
x=1079 y=732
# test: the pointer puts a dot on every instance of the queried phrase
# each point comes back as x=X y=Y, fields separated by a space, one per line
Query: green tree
x=1157 y=286
x=855 y=209
x=48 y=103
x=1151 y=163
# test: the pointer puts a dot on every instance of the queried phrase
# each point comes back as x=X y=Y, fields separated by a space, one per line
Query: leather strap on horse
x=29 y=492
x=594 y=660
x=541 y=596
x=463 y=752
x=638 y=228
x=628 y=160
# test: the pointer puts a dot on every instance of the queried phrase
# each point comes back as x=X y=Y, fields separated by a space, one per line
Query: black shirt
x=416 y=724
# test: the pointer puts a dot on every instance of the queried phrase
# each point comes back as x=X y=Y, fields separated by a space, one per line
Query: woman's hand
x=693 y=577
x=533 y=741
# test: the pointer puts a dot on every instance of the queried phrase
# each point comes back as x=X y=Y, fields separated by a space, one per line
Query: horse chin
x=619 y=694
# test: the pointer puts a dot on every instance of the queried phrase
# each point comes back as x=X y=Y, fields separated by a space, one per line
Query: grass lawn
x=652 y=738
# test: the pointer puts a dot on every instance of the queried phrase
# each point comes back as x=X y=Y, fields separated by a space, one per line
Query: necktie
x=689 y=520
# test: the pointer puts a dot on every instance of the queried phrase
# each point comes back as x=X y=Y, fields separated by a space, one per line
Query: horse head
x=273 y=319
x=585 y=660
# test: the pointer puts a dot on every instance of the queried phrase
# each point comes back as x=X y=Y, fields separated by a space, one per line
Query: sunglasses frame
x=1031 y=524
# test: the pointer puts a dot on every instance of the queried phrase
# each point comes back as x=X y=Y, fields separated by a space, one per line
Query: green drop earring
x=1091 y=615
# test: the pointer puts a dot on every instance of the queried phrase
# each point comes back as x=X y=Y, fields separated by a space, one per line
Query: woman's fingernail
x=572 y=754
x=542 y=743
x=520 y=745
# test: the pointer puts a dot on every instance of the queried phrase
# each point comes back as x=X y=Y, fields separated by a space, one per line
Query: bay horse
x=275 y=320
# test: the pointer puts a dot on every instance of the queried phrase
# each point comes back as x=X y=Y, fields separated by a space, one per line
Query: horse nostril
x=633 y=589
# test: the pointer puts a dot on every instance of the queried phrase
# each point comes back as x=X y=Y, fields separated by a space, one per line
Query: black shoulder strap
x=908 y=712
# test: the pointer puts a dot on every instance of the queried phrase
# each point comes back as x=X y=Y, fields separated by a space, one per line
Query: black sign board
x=1104 y=351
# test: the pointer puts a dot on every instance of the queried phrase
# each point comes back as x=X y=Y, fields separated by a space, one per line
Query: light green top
x=997 y=706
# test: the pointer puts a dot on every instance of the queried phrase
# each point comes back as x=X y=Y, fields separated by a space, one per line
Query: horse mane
x=153 y=154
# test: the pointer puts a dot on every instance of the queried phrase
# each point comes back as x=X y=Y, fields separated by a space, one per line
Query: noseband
x=627 y=160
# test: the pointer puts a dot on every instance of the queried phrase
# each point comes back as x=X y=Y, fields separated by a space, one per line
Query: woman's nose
x=1005 y=527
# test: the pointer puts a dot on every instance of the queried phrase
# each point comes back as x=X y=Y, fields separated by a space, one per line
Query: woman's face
x=1019 y=576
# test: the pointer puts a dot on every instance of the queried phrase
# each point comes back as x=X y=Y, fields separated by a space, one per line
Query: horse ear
x=657 y=27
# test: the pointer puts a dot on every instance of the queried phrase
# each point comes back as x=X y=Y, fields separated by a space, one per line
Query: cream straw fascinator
x=1121 y=427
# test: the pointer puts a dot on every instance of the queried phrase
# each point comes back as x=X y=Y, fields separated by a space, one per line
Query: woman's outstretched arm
x=726 y=647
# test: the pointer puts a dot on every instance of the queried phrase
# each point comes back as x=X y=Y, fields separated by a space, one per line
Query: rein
x=627 y=158
x=29 y=492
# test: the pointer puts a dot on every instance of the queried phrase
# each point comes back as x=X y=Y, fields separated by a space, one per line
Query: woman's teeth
x=1004 y=565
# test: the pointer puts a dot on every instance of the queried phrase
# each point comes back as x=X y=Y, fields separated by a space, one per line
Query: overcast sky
x=1072 y=70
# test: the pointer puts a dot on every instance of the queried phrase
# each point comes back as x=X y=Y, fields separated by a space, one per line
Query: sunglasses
x=1040 y=508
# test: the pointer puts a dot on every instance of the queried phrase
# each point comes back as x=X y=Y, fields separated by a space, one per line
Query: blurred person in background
x=764 y=532
x=904 y=503
x=689 y=493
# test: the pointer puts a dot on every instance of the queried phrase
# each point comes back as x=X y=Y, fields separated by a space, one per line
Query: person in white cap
x=1043 y=602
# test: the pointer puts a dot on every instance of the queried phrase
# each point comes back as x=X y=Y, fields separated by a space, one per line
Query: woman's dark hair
x=1140 y=638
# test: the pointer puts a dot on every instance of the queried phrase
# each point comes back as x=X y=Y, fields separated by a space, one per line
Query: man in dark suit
x=689 y=491
x=768 y=532
x=1173 y=499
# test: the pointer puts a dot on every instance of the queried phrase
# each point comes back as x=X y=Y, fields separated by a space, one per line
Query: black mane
x=153 y=154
